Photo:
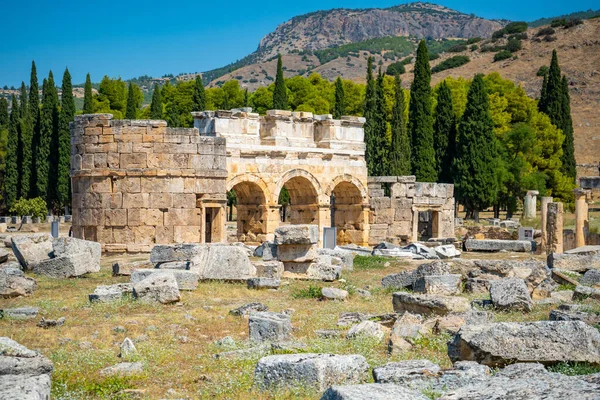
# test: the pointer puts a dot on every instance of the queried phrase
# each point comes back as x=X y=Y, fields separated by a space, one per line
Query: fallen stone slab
x=323 y=269
x=533 y=272
x=186 y=280
x=591 y=278
x=396 y=253
x=123 y=369
x=267 y=251
x=407 y=373
x=157 y=288
x=346 y=256
x=111 y=293
x=587 y=317
x=476 y=285
x=19 y=313
x=494 y=245
x=450 y=284
x=14 y=283
x=268 y=269
x=578 y=260
x=246 y=309
x=63 y=267
x=447 y=251
x=297 y=234
x=526 y=381
x=428 y=303
x=24 y=374
x=31 y=249
x=510 y=294
x=400 y=280
x=585 y=292
x=562 y=278
x=351 y=318
x=545 y=289
x=366 y=329
x=372 y=391
x=51 y=323
x=222 y=262
x=263 y=283
x=309 y=370
x=406 y=329
x=269 y=327
x=422 y=251
x=176 y=252
x=334 y=294
x=407 y=279
x=297 y=253
x=546 y=342
x=3 y=256
x=179 y=265
x=126 y=268
x=69 y=246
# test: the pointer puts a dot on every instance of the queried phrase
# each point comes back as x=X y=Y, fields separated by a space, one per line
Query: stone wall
x=138 y=183
x=403 y=210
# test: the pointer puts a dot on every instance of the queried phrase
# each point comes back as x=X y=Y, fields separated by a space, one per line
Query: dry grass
x=176 y=342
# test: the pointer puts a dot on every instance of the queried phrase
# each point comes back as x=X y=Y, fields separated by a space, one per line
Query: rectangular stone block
x=123 y=234
x=112 y=200
x=144 y=234
x=186 y=234
x=164 y=235
x=133 y=160
x=297 y=234
x=184 y=200
x=297 y=252
x=152 y=217
x=112 y=160
x=161 y=200
x=182 y=217
x=136 y=200
x=127 y=185
x=117 y=217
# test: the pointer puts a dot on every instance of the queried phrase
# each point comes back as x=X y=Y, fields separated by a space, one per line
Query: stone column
x=272 y=221
x=366 y=210
x=554 y=227
x=324 y=220
x=544 y=209
x=529 y=205
x=581 y=216
x=415 y=226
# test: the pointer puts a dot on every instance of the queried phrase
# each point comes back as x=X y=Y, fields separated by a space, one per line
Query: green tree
x=399 y=156
x=88 y=104
x=46 y=154
x=476 y=160
x=172 y=115
x=156 y=105
x=556 y=103
x=111 y=98
x=375 y=125
x=131 y=109
x=4 y=115
x=11 y=177
x=199 y=96
x=67 y=114
x=280 y=99
x=34 y=112
x=25 y=145
x=421 y=119
x=339 y=106
x=444 y=134
x=246 y=98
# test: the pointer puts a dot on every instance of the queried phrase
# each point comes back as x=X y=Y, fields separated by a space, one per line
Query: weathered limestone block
x=439 y=284
x=372 y=391
x=547 y=342
x=31 y=249
x=316 y=371
x=111 y=293
x=14 y=283
x=366 y=329
x=67 y=246
x=579 y=260
x=410 y=373
x=186 y=280
x=267 y=251
x=269 y=327
x=346 y=256
x=157 y=288
x=24 y=374
x=268 y=269
x=263 y=283
x=66 y=266
x=511 y=294
x=429 y=304
x=297 y=234
x=297 y=253
x=493 y=245
x=324 y=269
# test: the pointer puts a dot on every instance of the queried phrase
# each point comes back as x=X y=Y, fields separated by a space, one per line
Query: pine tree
x=156 y=105
x=421 y=119
x=556 y=103
x=88 y=107
x=246 y=98
x=199 y=96
x=399 y=155
x=47 y=149
x=35 y=113
x=131 y=108
x=25 y=139
x=340 y=99
x=67 y=114
x=4 y=115
x=476 y=160
x=11 y=175
x=280 y=100
x=444 y=134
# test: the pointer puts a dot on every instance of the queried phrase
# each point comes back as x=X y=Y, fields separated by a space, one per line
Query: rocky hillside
x=330 y=28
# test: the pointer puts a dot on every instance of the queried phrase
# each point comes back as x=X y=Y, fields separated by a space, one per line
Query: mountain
x=320 y=30
x=575 y=15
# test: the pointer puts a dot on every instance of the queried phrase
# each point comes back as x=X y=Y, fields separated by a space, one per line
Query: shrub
x=521 y=36
x=395 y=68
x=30 y=207
x=408 y=60
x=572 y=22
x=474 y=47
x=543 y=71
x=457 y=48
x=474 y=40
x=503 y=55
x=513 y=45
x=498 y=34
x=311 y=292
x=546 y=31
x=433 y=56
x=515 y=27
x=492 y=49
x=452 y=62
x=549 y=38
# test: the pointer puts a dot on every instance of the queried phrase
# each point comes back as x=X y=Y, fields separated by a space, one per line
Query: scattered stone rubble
x=24 y=374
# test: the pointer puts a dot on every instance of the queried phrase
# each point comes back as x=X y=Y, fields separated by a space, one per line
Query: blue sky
x=132 y=38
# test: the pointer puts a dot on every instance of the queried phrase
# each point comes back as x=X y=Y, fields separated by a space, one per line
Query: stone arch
x=305 y=196
x=348 y=211
x=346 y=178
x=251 y=207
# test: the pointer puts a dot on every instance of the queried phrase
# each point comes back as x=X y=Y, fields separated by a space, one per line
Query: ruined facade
x=139 y=183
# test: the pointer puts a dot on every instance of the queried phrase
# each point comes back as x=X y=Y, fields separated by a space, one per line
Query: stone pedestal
x=554 y=227
x=581 y=216
x=544 y=210
x=529 y=205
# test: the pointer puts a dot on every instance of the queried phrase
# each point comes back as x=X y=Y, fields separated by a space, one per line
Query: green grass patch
x=369 y=262
x=566 y=286
x=575 y=368
x=310 y=292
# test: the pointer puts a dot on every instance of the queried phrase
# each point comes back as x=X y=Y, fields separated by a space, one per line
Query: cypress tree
x=421 y=119
x=246 y=98
x=199 y=96
x=34 y=112
x=444 y=134
x=556 y=103
x=156 y=105
x=370 y=111
x=399 y=155
x=67 y=114
x=25 y=146
x=88 y=107
x=46 y=154
x=131 y=108
x=340 y=99
x=4 y=115
x=11 y=175
x=280 y=100
x=475 y=179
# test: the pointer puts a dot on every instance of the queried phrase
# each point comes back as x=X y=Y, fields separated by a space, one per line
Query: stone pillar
x=324 y=220
x=415 y=226
x=366 y=209
x=529 y=205
x=581 y=216
x=272 y=221
x=544 y=209
x=554 y=227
